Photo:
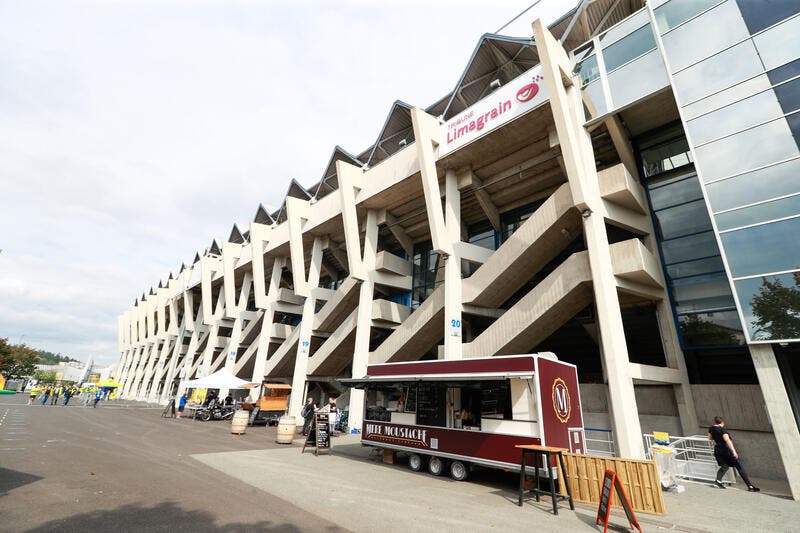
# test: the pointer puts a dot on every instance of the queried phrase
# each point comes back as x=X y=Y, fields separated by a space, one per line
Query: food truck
x=465 y=412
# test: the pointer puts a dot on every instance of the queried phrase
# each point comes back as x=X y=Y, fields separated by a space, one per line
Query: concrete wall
x=742 y=406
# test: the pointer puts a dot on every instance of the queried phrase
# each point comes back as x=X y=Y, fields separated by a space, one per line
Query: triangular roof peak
x=236 y=235
x=397 y=132
x=296 y=190
x=496 y=58
x=183 y=267
x=329 y=181
x=160 y=285
x=170 y=277
x=196 y=257
x=262 y=216
x=214 y=248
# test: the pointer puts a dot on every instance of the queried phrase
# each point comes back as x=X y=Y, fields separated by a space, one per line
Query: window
x=587 y=70
x=677 y=12
x=743 y=114
x=755 y=186
x=637 y=79
x=711 y=329
x=757 y=16
x=718 y=72
x=772 y=247
x=594 y=99
x=756 y=214
x=780 y=44
x=785 y=72
x=426 y=266
x=629 y=47
x=771 y=306
x=727 y=96
x=666 y=156
x=684 y=219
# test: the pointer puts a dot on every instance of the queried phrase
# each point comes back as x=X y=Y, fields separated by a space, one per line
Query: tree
x=699 y=332
x=776 y=309
x=16 y=360
x=45 y=376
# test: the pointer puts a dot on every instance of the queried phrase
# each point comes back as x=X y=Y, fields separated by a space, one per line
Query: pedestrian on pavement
x=56 y=392
x=726 y=455
x=97 y=396
x=67 y=395
x=182 y=403
x=34 y=393
x=46 y=394
x=86 y=393
x=308 y=414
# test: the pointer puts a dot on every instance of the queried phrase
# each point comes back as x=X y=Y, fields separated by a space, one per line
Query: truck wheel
x=415 y=462
x=459 y=470
x=435 y=466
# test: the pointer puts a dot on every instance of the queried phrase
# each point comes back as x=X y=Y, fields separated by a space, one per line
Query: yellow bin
x=286 y=430
x=239 y=422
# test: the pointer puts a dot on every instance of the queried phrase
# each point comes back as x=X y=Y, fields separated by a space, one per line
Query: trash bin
x=286 y=430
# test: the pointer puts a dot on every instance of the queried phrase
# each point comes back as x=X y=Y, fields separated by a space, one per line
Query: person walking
x=46 y=394
x=68 y=391
x=182 y=404
x=308 y=414
x=34 y=393
x=55 y=394
x=726 y=455
x=97 y=396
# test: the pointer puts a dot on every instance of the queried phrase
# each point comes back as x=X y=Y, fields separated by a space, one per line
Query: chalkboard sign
x=169 y=410
x=431 y=405
x=610 y=483
x=253 y=415
x=319 y=436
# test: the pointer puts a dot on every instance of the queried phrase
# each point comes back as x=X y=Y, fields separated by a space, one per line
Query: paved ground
x=71 y=469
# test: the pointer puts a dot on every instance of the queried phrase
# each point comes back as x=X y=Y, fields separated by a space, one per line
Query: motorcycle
x=216 y=411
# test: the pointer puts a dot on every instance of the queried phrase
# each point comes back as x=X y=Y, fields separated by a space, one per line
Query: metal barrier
x=694 y=458
x=599 y=441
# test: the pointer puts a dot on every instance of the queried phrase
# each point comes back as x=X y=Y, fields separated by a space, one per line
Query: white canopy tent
x=221 y=379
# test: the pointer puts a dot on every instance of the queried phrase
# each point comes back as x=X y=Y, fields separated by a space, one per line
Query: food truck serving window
x=383 y=399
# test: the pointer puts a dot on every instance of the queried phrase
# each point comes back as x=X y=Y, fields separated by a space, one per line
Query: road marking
x=10 y=449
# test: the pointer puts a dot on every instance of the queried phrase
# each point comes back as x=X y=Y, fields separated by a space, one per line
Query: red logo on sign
x=527 y=92
x=561 y=403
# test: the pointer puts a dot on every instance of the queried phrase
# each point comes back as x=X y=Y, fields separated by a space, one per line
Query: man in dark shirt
x=725 y=454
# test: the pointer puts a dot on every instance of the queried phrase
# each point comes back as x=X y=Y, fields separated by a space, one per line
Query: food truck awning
x=359 y=383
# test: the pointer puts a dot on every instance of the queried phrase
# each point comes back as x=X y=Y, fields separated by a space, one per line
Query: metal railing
x=599 y=441
x=694 y=458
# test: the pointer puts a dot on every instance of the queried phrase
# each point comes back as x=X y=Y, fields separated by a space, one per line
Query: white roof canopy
x=221 y=379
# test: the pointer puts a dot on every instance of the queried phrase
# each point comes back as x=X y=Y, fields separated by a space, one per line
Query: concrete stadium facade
x=552 y=201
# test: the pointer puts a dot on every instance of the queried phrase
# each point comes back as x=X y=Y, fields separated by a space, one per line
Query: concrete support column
x=452 y=270
x=576 y=147
x=306 y=328
x=364 y=321
x=262 y=352
x=173 y=363
x=213 y=330
x=780 y=412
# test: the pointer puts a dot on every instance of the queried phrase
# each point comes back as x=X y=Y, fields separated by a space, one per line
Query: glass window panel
x=694 y=268
x=771 y=247
x=587 y=70
x=637 y=79
x=770 y=182
x=629 y=47
x=784 y=207
x=679 y=11
x=711 y=32
x=627 y=26
x=582 y=51
x=683 y=220
x=780 y=44
x=666 y=156
x=789 y=95
x=728 y=96
x=748 y=112
x=711 y=329
x=686 y=248
x=677 y=192
x=594 y=98
x=751 y=148
x=704 y=296
x=789 y=70
x=718 y=72
x=759 y=14
x=771 y=306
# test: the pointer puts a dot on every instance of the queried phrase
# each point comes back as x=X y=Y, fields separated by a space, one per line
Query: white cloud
x=133 y=133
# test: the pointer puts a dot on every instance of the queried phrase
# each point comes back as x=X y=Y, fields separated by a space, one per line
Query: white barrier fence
x=694 y=458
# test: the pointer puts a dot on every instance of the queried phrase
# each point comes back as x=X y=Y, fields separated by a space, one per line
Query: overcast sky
x=133 y=133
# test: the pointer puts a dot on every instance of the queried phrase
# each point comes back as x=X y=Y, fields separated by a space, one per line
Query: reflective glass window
x=785 y=207
x=580 y=53
x=594 y=98
x=718 y=72
x=771 y=306
x=783 y=73
x=676 y=192
x=667 y=156
x=756 y=186
x=714 y=30
x=770 y=247
x=627 y=26
x=788 y=95
x=682 y=220
x=696 y=267
x=759 y=14
x=588 y=70
x=629 y=47
x=780 y=44
x=728 y=96
x=637 y=79
x=711 y=329
x=704 y=295
x=678 y=11
x=751 y=148
x=745 y=113
x=692 y=247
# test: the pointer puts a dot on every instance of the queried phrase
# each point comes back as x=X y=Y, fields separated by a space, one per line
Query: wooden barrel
x=239 y=421
x=286 y=430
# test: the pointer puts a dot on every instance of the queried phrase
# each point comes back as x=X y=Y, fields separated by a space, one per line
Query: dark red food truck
x=465 y=412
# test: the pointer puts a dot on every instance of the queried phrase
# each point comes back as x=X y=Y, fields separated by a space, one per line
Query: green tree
x=44 y=376
x=16 y=360
x=776 y=309
x=699 y=332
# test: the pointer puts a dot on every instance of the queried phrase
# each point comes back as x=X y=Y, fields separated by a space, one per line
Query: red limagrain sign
x=520 y=95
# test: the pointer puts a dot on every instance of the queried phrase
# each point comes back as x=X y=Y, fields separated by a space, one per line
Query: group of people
x=310 y=408
x=212 y=398
x=52 y=393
